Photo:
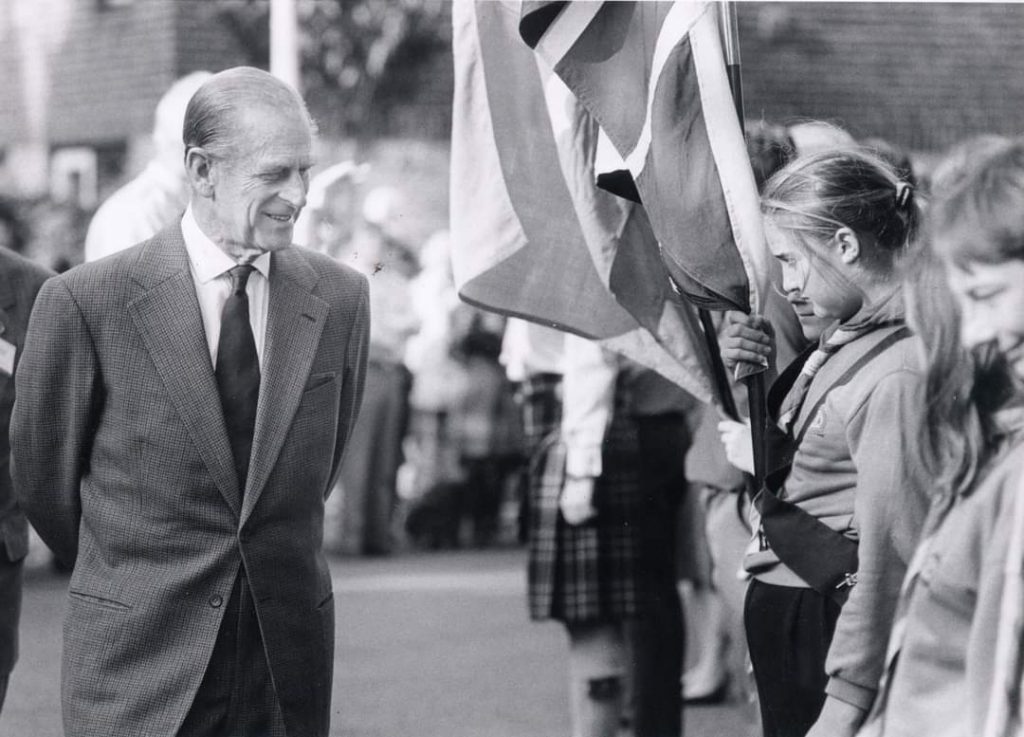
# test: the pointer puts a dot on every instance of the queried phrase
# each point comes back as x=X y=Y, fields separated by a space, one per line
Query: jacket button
x=216 y=601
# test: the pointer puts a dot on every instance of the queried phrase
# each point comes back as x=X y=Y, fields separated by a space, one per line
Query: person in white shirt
x=158 y=195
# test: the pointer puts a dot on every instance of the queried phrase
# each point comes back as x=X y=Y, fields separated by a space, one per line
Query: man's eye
x=983 y=295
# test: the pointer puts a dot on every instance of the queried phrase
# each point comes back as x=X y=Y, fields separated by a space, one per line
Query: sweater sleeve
x=890 y=504
x=588 y=394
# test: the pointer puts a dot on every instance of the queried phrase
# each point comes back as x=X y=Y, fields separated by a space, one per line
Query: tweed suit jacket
x=122 y=460
x=20 y=280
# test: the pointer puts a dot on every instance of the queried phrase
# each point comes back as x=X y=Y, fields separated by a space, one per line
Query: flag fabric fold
x=653 y=75
x=532 y=235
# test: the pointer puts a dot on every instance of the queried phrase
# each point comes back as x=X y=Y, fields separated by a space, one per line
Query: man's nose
x=294 y=191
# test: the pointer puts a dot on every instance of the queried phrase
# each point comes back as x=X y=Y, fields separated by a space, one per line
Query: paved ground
x=429 y=645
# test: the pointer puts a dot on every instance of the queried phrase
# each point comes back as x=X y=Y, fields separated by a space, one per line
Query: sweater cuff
x=851 y=693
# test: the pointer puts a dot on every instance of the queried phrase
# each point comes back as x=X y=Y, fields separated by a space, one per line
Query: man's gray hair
x=210 y=112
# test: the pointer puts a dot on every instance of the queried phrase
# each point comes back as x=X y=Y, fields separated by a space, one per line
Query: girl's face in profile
x=819 y=289
x=991 y=301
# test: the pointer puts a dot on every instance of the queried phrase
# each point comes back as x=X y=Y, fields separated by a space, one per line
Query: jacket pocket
x=99 y=601
x=318 y=380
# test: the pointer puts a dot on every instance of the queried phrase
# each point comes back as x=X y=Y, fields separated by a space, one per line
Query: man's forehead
x=289 y=143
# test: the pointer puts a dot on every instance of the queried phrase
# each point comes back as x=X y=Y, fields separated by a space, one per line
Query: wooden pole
x=284 y=42
x=756 y=389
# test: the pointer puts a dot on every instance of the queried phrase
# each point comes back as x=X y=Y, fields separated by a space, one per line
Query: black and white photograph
x=511 y=368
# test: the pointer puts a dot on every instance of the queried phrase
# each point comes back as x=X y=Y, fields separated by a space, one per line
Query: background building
x=80 y=80
x=922 y=75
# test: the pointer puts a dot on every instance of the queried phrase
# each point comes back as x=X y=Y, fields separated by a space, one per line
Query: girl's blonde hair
x=817 y=194
x=981 y=217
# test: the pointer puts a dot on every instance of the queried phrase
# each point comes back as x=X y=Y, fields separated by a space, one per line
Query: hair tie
x=904 y=191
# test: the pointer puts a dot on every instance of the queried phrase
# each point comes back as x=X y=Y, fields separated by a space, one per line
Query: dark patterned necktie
x=238 y=371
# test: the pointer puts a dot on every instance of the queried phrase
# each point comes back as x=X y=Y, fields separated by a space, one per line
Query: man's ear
x=849 y=245
x=199 y=168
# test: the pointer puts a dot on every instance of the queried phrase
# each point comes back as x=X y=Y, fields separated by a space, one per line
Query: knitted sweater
x=942 y=659
x=858 y=470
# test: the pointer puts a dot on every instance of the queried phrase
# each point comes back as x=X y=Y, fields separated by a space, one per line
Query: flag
x=653 y=75
x=532 y=236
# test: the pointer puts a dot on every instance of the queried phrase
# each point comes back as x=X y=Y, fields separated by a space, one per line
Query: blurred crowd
x=633 y=498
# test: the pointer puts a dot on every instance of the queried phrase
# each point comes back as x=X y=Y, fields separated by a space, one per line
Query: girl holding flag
x=846 y=493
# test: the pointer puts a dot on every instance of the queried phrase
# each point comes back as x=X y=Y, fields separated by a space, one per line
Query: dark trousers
x=236 y=697
x=789 y=631
x=372 y=458
x=656 y=635
x=11 y=574
x=483 y=492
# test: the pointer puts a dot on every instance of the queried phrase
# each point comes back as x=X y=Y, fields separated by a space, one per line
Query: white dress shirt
x=210 y=266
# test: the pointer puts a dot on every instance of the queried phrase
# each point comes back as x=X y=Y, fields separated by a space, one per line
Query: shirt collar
x=207 y=259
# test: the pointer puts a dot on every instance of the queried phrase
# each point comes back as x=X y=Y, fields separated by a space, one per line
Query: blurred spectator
x=20 y=280
x=812 y=136
x=602 y=554
x=56 y=233
x=895 y=155
x=485 y=423
x=329 y=219
x=433 y=472
x=381 y=208
x=961 y=158
x=533 y=357
x=769 y=147
x=370 y=469
x=157 y=196
x=13 y=232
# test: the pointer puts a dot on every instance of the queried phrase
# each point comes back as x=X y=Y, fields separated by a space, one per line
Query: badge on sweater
x=7 y=351
x=817 y=425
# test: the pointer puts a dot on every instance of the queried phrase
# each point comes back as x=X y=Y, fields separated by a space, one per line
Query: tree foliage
x=358 y=56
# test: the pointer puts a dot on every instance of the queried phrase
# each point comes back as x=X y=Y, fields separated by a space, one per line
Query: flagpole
x=756 y=390
x=284 y=42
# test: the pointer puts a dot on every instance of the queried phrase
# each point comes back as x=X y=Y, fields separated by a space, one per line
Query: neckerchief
x=888 y=311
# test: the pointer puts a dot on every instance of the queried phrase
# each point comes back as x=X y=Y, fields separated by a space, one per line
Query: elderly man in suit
x=20 y=280
x=182 y=411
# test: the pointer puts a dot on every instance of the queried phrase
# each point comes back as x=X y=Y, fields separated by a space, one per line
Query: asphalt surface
x=428 y=645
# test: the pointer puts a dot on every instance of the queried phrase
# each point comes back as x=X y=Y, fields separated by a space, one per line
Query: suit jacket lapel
x=167 y=317
x=295 y=320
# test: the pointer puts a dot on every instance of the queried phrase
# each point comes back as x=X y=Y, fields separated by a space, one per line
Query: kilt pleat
x=585 y=572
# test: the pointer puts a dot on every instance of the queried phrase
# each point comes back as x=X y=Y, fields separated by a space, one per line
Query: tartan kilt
x=587 y=572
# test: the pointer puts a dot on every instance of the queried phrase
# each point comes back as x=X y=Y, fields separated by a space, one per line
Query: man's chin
x=278 y=243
